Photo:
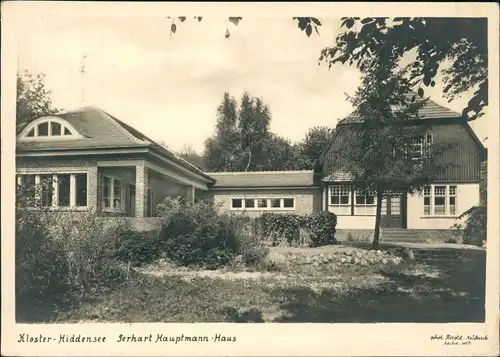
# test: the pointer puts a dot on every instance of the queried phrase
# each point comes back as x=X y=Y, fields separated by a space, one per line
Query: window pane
x=56 y=128
x=344 y=200
x=427 y=201
x=249 y=203
x=64 y=190
x=46 y=190
x=370 y=200
x=31 y=132
x=275 y=203
x=66 y=131
x=440 y=190
x=236 y=203
x=427 y=191
x=335 y=200
x=117 y=194
x=427 y=210
x=360 y=200
x=81 y=190
x=453 y=190
x=107 y=184
x=439 y=201
x=43 y=129
x=262 y=203
x=288 y=202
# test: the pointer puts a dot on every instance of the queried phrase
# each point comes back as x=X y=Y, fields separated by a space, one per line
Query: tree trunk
x=376 y=236
x=249 y=159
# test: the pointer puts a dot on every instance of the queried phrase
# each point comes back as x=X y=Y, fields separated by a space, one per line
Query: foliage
x=305 y=24
x=198 y=235
x=238 y=143
x=243 y=142
x=377 y=140
x=460 y=42
x=322 y=227
x=90 y=244
x=41 y=277
x=308 y=151
x=138 y=247
x=33 y=99
x=193 y=157
x=475 y=226
x=278 y=227
x=313 y=230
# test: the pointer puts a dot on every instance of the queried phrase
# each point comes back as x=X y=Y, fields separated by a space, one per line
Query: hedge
x=314 y=230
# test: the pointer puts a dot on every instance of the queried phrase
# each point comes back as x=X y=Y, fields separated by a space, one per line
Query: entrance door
x=394 y=212
x=131 y=200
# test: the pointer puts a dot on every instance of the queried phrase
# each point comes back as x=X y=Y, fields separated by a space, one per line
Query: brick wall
x=306 y=200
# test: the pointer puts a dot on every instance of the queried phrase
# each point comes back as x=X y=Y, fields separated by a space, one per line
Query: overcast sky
x=169 y=87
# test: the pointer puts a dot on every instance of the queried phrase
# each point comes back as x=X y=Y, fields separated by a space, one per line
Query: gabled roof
x=101 y=130
x=276 y=179
x=430 y=110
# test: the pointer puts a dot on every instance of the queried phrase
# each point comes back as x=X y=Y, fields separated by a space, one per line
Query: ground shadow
x=455 y=295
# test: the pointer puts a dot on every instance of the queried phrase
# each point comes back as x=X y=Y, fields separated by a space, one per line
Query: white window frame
x=23 y=136
x=265 y=198
x=340 y=208
x=422 y=147
x=364 y=209
x=111 y=207
x=451 y=190
x=55 y=187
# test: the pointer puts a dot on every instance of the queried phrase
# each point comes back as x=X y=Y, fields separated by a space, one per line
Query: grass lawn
x=432 y=292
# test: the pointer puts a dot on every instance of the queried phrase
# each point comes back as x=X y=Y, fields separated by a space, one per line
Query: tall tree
x=240 y=136
x=33 y=99
x=456 y=46
x=310 y=148
x=378 y=147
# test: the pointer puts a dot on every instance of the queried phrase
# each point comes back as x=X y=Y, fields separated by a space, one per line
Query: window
x=81 y=190
x=49 y=129
x=43 y=129
x=250 y=203
x=421 y=148
x=364 y=203
x=452 y=199
x=288 y=202
x=112 y=194
x=64 y=188
x=340 y=199
x=262 y=203
x=440 y=200
x=61 y=190
x=236 y=203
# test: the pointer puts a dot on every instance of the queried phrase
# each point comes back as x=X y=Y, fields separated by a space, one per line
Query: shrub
x=90 y=244
x=41 y=276
x=139 y=247
x=475 y=226
x=198 y=234
x=322 y=226
x=281 y=228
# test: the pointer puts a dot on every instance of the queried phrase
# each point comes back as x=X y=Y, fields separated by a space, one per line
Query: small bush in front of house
x=41 y=274
x=198 y=235
x=475 y=225
x=322 y=227
x=281 y=229
x=90 y=244
x=139 y=247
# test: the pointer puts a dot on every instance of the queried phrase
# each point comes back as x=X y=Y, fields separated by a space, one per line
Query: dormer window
x=49 y=128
